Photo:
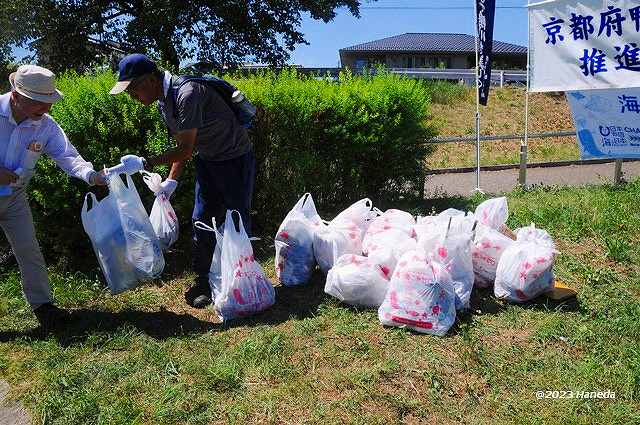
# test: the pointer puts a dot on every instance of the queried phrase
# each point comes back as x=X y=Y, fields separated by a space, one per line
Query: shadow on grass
x=291 y=303
x=296 y=303
x=84 y=322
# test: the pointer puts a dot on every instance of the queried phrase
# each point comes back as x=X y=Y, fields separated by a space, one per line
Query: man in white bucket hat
x=27 y=131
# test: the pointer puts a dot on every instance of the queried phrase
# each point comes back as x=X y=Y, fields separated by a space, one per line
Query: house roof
x=433 y=42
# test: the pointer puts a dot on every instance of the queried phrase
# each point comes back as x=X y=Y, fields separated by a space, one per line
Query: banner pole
x=524 y=146
x=475 y=21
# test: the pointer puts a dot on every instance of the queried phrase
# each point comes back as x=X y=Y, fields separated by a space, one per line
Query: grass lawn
x=453 y=112
x=144 y=357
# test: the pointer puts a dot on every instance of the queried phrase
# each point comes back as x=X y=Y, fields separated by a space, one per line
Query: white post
x=522 y=179
x=617 y=175
x=501 y=79
x=475 y=23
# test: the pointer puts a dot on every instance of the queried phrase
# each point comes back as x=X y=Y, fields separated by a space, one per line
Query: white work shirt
x=22 y=144
x=166 y=83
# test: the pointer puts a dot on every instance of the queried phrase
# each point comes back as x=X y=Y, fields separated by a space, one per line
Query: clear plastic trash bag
x=295 y=259
x=163 y=217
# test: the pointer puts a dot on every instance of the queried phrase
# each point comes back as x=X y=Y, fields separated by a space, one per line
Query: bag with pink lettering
x=525 y=269
x=493 y=212
x=388 y=237
x=245 y=290
x=486 y=251
x=343 y=235
x=450 y=245
x=387 y=229
x=357 y=280
x=420 y=296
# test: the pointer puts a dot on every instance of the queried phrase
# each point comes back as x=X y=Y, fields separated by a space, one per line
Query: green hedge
x=340 y=140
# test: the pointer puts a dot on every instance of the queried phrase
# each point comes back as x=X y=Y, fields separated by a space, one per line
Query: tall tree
x=70 y=33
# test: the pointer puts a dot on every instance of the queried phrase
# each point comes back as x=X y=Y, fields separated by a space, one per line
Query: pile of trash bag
x=418 y=271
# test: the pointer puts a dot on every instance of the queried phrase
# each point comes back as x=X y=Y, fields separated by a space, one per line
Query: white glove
x=168 y=187
x=131 y=164
x=19 y=172
x=98 y=178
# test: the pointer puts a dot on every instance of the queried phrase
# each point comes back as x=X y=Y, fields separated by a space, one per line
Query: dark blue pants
x=220 y=186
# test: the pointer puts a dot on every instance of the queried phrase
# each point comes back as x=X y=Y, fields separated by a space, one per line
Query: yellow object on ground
x=561 y=292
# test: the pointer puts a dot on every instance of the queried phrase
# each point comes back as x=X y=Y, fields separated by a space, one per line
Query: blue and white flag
x=607 y=122
x=584 y=44
x=486 y=10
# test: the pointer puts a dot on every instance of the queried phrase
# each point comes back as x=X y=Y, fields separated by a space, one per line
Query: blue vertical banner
x=486 y=11
x=607 y=122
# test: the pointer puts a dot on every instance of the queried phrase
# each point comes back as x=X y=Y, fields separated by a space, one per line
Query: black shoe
x=51 y=317
x=199 y=295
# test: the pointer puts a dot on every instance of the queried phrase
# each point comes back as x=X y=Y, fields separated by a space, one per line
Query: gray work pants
x=17 y=223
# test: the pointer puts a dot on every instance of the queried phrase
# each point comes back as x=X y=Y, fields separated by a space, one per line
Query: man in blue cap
x=204 y=127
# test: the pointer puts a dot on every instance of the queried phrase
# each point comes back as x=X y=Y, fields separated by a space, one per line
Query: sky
x=346 y=30
x=377 y=22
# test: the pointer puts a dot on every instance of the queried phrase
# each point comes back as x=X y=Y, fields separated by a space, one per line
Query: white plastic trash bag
x=493 y=212
x=294 y=243
x=420 y=296
x=488 y=247
x=450 y=221
x=335 y=240
x=388 y=228
x=525 y=270
x=215 y=271
x=451 y=246
x=357 y=280
x=360 y=213
x=163 y=217
x=245 y=290
x=343 y=235
x=452 y=212
x=102 y=223
x=532 y=234
x=143 y=248
x=395 y=244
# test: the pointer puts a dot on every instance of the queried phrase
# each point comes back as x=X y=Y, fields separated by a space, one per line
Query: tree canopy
x=72 y=33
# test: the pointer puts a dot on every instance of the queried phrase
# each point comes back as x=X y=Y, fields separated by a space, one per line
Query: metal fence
x=499 y=77
x=522 y=179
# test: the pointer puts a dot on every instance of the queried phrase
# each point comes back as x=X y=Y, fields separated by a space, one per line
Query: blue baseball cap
x=132 y=67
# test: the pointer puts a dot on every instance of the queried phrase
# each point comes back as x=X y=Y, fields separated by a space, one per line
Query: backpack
x=242 y=109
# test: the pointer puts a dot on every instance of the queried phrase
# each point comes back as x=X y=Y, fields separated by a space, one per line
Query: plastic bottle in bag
x=294 y=260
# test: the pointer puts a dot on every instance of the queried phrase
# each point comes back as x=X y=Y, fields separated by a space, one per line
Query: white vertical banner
x=584 y=44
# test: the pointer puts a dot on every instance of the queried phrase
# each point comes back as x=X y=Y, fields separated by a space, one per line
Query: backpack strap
x=223 y=88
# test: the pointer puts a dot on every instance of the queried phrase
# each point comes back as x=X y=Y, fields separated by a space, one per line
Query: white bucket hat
x=35 y=82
